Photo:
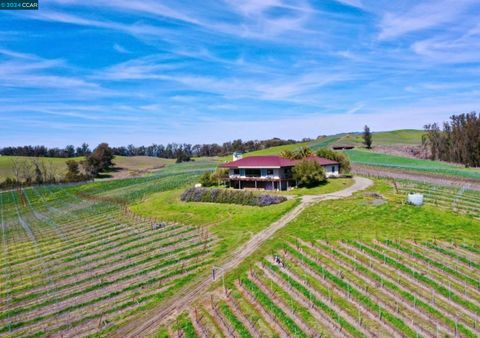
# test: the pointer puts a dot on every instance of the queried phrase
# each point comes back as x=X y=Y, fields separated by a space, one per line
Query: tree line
x=42 y=170
x=171 y=150
x=42 y=151
x=457 y=140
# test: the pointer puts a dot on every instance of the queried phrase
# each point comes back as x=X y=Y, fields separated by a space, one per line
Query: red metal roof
x=322 y=160
x=271 y=161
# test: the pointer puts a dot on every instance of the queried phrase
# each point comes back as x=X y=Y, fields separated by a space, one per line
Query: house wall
x=332 y=170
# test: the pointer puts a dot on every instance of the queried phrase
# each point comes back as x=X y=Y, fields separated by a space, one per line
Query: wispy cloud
x=214 y=70
x=446 y=49
x=353 y=3
x=119 y=48
x=424 y=15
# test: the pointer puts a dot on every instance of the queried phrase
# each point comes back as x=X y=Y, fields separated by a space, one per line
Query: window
x=236 y=171
x=269 y=172
x=288 y=172
x=333 y=168
x=252 y=172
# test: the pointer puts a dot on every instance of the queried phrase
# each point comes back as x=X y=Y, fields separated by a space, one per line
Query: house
x=270 y=172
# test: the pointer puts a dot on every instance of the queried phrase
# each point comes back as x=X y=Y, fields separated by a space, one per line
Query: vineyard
x=76 y=261
x=372 y=159
x=457 y=199
x=346 y=289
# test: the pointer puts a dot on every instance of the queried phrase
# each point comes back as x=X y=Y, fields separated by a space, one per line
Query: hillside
x=57 y=163
x=384 y=138
x=124 y=166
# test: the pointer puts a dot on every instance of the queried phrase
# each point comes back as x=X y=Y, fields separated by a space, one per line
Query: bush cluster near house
x=213 y=178
x=230 y=196
x=309 y=173
x=333 y=155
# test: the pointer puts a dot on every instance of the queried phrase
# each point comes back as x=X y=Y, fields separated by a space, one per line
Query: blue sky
x=139 y=72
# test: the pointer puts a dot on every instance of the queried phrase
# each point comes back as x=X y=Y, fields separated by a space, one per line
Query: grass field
x=232 y=224
x=137 y=165
x=404 y=136
x=369 y=158
x=6 y=164
x=355 y=268
x=123 y=166
x=383 y=138
x=331 y=185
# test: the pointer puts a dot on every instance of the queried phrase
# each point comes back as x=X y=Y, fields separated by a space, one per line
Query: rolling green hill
x=403 y=136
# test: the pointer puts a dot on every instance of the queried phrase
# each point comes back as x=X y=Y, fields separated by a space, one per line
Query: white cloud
x=446 y=49
x=428 y=14
x=120 y=49
x=353 y=3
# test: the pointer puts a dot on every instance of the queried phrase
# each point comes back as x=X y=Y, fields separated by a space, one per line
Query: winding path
x=149 y=323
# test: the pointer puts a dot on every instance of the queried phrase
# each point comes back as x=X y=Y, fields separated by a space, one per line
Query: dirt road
x=149 y=323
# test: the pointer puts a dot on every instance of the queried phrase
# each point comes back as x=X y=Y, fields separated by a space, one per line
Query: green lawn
x=358 y=218
x=331 y=185
x=233 y=224
x=390 y=161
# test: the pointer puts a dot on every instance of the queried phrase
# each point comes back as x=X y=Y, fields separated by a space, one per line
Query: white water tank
x=415 y=199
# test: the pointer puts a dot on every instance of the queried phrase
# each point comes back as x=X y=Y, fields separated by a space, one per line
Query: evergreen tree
x=367 y=137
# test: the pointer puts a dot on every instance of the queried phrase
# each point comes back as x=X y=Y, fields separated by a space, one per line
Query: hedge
x=230 y=196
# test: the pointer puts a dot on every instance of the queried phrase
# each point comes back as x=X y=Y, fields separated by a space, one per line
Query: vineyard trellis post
x=214 y=268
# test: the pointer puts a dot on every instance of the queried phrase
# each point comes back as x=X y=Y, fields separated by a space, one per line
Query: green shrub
x=336 y=156
x=213 y=178
x=309 y=173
